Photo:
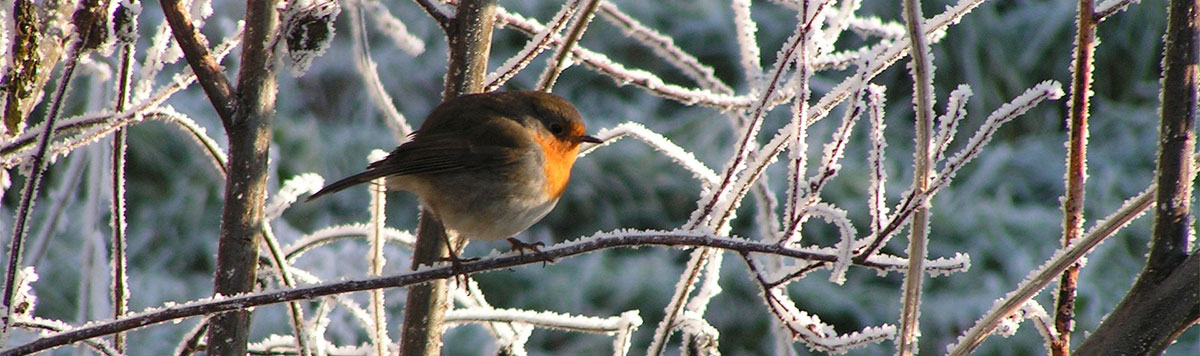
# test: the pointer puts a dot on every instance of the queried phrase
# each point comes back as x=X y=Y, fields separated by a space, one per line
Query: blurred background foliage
x=1003 y=209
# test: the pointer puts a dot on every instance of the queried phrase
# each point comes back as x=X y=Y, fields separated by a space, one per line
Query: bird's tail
x=348 y=182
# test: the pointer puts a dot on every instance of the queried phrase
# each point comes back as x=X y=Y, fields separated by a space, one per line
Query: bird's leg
x=521 y=246
x=457 y=263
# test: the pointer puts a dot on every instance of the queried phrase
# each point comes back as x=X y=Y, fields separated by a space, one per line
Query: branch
x=921 y=67
x=558 y=63
x=1042 y=276
x=1072 y=205
x=1163 y=301
x=249 y=133
x=195 y=50
x=426 y=274
x=433 y=10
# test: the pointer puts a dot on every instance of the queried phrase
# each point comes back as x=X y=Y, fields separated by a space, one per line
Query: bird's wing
x=444 y=153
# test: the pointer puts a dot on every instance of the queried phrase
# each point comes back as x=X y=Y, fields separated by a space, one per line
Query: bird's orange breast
x=560 y=156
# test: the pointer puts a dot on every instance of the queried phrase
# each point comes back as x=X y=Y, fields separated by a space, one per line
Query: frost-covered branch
x=660 y=143
x=54 y=326
x=601 y=241
x=666 y=48
x=626 y=76
x=194 y=47
x=559 y=61
x=1076 y=170
x=537 y=43
x=807 y=327
x=1053 y=267
x=922 y=71
x=1007 y=112
x=627 y=322
x=367 y=68
x=84 y=21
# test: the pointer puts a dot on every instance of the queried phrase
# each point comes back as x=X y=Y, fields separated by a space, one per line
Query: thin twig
x=375 y=260
x=283 y=270
x=120 y=288
x=921 y=67
x=559 y=61
x=1072 y=206
x=537 y=43
x=442 y=18
x=665 y=47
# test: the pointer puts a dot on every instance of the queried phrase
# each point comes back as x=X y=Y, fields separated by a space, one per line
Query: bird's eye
x=556 y=129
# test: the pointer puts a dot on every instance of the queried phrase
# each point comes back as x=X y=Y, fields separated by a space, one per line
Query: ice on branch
x=874 y=27
x=876 y=193
x=747 y=42
x=1045 y=90
x=1037 y=279
x=820 y=336
x=658 y=142
x=846 y=232
x=308 y=31
x=664 y=46
x=956 y=110
x=621 y=327
x=125 y=21
x=51 y=327
x=625 y=76
x=540 y=41
x=337 y=233
x=391 y=26
x=699 y=337
x=292 y=189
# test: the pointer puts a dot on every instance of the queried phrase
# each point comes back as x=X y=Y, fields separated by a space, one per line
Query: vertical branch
x=83 y=20
x=379 y=336
x=747 y=44
x=126 y=31
x=1081 y=82
x=922 y=73
x=1177 y=137
x=798 y=147
x=470 y=40
x=1163 y=301
x=558 y=62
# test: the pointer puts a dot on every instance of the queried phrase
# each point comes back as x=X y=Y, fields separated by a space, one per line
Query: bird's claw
x=456 y=264
x=521 y=246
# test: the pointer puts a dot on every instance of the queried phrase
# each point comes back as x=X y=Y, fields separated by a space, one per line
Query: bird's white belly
x=483 y=212
x=498 y=221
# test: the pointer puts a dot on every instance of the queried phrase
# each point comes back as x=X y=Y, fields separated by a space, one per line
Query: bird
x=487 y=165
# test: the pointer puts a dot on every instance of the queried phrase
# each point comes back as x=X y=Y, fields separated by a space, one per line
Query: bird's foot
x=456 y=265
x=521 y=246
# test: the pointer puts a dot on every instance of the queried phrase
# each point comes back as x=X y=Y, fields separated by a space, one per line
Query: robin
x=487 y=165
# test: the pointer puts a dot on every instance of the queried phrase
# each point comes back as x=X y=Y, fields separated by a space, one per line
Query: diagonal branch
x=195 y=49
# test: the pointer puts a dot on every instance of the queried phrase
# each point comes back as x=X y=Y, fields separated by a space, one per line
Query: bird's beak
x=591 y=139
